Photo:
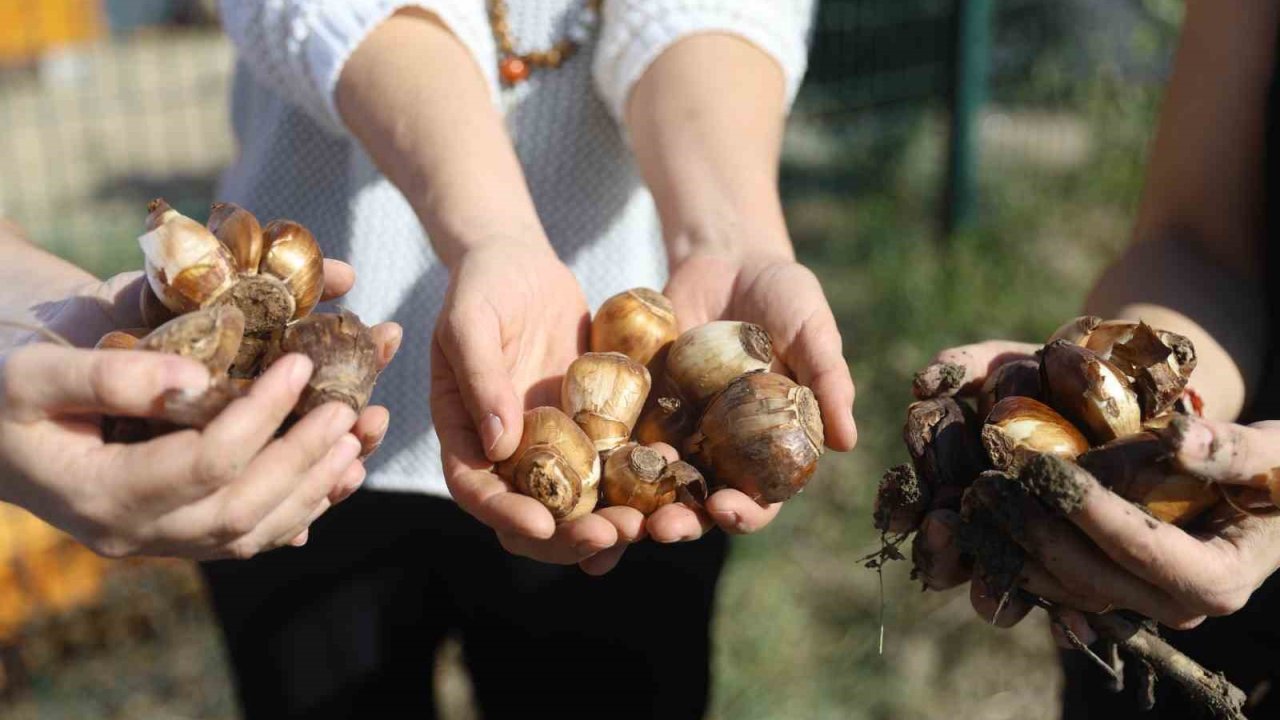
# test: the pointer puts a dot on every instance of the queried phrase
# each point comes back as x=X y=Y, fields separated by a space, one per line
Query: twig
x=1218 y=697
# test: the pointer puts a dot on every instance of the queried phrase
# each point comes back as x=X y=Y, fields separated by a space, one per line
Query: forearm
x=1171 y=283
x=708 y=146
x=413 y=96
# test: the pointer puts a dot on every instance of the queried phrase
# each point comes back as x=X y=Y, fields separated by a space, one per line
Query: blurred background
x=954 y=170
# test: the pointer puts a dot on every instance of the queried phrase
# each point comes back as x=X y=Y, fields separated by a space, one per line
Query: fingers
x=470 y=341
x=628 y=522
x=488 y=499
x=677 y=522
x=43 y=379
x=816 y=356
x=964 y=369
x=371 y=428
x=572 y=542
x=339 y=278
x=1227 y=452
x=387 y=337
x=1001 y=610
x=935 y=553
x=603 y=561
x=738 y=514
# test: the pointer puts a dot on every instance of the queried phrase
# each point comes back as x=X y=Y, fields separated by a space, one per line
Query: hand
x=786 y=299
x=1110 y=555
x=194 y=494
x=512 y=321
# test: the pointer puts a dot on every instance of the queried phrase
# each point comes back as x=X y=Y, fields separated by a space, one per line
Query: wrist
x=740 y=242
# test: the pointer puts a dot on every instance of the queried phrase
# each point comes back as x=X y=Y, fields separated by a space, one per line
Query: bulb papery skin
x=211 y=336
x=1076 y=330
x=291 y=255
x=121 y=339
x=1018 y=378
x=604 y=393
x=1136 y=467
x=555 y=464
x=1019 y=428
x=762 y=435
x=186 y=267
x=1089 y=391
x=704 y=360
x=344 y=356
x=633 y=477
x=240 y=232
x=638 y=323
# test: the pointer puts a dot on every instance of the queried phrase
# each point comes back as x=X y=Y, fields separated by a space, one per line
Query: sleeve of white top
x=635 y=32
x=299 y=47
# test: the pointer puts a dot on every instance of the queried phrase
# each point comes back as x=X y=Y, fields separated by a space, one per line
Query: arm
x=708 y=147
x=1196 y=265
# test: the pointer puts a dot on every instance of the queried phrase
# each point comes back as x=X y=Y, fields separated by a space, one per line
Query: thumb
x=471 y=340
x=42 y=380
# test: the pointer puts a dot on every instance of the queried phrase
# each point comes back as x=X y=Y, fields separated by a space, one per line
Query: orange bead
x=513 y=70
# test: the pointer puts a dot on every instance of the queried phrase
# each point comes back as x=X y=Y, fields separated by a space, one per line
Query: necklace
x=514 y=67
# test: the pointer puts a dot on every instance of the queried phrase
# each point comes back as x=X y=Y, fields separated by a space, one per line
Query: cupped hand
x=786 y=299
x=1108 y=554
x=228 y=490
x=513 y=320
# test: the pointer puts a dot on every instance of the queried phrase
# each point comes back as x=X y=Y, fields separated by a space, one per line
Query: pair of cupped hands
x=1109 y=555
x=513 y=321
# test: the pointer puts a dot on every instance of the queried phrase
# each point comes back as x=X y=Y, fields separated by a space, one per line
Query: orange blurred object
x=42 y=570
x=30 y=28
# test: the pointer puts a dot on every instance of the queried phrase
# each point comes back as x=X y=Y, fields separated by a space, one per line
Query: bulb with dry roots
x=1018 y=428
x=1089 y=391
x=343 y=353
x=604 y=393
x=637 y=323
x=901 y=501
x=1137 y=468
x=704 y=360
x=762 y=435
x=555 y=464
x=639 y=477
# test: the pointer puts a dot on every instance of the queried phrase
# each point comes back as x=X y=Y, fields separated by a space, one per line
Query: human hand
x=513 y=320
x=1107 y=554
x=786 y=299
x=129 y=384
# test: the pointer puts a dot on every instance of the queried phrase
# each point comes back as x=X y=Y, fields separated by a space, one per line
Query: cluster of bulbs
x=236 y=296
x=708 y=393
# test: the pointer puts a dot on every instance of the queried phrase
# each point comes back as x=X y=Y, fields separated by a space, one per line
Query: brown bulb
x=1089 y=391
x=292 y=256
x=704 y=360
x=240 y=231
x=211 y=336
x=639 y=477
x=637 y=323
x=256 y=354
x=1076 y=330
x=1018 y=378
x=121 y=339
x=1158 y=362
x=762 y=435
x=186 y=266
x=604 y=393
x=343 y=353
x=1019 y=428
x=1136 y=468
x=198 y=409
x=555 y=464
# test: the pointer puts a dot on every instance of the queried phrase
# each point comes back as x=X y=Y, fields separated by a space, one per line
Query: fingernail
x=344 y=452
x=393 y=346
x=491 y=432
x=729 y=520
x=301 y=539
x=299 y=372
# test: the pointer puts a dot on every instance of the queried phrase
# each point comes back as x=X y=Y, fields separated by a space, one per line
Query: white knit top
x=297 y=160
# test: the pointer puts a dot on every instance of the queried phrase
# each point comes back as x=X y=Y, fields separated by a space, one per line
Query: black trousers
x=348 y=626
x=1244 y=646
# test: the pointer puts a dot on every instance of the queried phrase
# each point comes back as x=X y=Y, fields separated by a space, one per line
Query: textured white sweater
x=297 y=160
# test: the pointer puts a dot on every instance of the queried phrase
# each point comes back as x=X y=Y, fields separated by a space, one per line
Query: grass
x=797 y=634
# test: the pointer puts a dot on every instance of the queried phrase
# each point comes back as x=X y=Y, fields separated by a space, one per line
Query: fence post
x=971 y=63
